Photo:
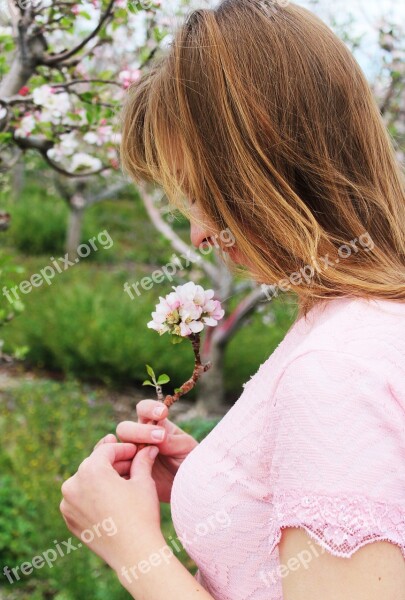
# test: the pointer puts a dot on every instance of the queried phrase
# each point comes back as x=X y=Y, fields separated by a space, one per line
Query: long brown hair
x=282 y=141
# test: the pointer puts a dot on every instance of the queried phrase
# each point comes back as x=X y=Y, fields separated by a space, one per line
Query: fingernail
x=153 y=451
x=157 y=434
x=158 y=411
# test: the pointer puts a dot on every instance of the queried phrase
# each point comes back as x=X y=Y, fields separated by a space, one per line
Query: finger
x=129 y=431
x=143 y=462
x=107 y=439
x=113 y=453
x=123 y=467
x=145 y=410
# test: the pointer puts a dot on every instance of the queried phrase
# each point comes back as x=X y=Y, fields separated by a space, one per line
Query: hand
x=173 y=449
x=110 y=514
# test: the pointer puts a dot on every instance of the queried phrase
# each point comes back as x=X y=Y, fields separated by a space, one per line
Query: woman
x=260 y=116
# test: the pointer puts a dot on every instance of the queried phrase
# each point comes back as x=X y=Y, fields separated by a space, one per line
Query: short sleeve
x=338 y=459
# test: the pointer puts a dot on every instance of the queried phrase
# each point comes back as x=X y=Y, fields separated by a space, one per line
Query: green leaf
x=147 y=382
x=73 y=116
x=177 y=390
x=176 y=339
x=151 y=373
x=21 y=352
x=121 y=13
x=132 y=8
x=159 y=34
x=65 y=22
x=86 y=96
x=5 y=137
x=163 y=379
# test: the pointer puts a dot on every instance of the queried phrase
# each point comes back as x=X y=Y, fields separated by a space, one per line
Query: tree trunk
x=17 y=180
x=24 y=63
x=74 y=231
x=211 y=388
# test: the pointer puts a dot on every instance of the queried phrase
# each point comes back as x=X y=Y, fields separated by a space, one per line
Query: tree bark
x=30 y=50
x=74 y=231
x=211 y=387
x=17 y=179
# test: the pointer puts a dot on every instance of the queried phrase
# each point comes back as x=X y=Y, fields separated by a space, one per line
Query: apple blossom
x=186 y=311
x=26 y=126
x=55 y=104
x=84 y=162
x=128 y=76
x=103 y=135
x=66 y=147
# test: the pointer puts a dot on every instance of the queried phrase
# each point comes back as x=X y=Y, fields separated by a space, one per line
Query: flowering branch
x=58 y=58
x=199 y=369
x=184 y=313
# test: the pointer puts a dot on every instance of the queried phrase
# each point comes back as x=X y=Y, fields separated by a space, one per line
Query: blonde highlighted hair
x=281 y=140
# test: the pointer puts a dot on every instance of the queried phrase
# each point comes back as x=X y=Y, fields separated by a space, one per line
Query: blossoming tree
x=64 y=69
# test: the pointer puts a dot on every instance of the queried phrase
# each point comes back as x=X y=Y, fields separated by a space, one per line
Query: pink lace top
x=316 y=440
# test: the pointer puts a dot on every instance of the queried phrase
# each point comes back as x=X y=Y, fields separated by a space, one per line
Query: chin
x=236 y=256
x=240 y=259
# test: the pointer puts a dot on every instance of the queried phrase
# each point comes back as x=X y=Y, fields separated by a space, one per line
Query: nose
x=198 y=234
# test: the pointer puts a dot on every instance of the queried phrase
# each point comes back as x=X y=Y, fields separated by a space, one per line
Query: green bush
x=84 y=324
x=38 y=222
x=199 y=428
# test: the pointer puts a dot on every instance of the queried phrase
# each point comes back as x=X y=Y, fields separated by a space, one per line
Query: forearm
x=158 y=575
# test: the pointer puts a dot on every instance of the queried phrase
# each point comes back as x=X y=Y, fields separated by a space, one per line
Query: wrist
x=138 y=559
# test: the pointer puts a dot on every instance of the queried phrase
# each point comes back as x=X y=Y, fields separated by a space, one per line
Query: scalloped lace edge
x=341 y=524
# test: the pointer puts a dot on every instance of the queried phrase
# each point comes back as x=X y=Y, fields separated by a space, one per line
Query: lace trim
x=341 y=524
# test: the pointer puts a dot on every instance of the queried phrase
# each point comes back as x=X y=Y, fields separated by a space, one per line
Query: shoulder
x=350 y=334
x=356 y=325
x=341 y=415
x=336 y=431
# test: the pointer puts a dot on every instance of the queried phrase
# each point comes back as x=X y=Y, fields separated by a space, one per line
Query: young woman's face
x=201 y=230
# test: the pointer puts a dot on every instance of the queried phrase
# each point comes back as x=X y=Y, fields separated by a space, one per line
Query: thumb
x=143 y=462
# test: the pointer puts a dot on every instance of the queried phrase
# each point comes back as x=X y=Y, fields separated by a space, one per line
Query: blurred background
x=77 y=241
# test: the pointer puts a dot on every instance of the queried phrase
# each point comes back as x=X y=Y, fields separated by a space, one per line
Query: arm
x=374 y=572
x=132 y=543
x=157 y=574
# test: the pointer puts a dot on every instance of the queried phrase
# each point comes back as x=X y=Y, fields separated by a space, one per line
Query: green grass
x=47 y=428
